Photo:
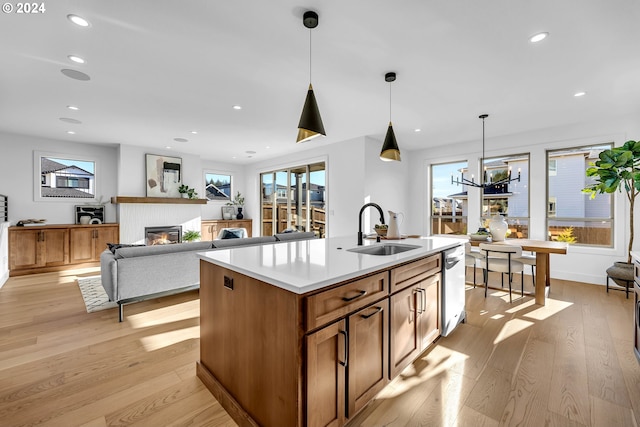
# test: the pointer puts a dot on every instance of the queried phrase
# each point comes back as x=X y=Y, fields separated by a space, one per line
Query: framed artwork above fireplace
x=164 y=175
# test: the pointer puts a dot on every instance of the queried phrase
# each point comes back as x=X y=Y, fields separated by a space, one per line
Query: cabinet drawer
x=329 y=305
x=636 y=271
x=405 y=275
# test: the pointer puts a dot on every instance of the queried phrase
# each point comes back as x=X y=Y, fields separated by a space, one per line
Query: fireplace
x=164 y=235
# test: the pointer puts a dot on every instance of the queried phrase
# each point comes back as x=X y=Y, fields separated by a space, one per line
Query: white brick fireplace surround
x=135 y=213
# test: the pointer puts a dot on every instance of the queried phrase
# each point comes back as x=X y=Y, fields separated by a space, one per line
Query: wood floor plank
x=609 y=414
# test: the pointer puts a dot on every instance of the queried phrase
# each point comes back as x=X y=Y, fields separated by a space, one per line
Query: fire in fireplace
x=165 y=235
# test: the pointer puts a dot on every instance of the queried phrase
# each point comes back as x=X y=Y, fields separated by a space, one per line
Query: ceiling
x=161 y=69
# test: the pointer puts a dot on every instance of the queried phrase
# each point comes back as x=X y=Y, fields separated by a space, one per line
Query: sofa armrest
x=109 y=273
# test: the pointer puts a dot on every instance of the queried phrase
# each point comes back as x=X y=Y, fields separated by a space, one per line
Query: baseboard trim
x=223 y=397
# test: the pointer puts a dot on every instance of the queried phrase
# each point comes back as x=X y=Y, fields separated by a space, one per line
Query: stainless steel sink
x=383 y=249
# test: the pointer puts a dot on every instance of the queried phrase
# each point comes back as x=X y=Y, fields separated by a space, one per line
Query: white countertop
x=307 y=265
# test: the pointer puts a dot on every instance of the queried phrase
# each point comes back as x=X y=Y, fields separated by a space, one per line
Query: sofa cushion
x=113 y=246
x=228 y=243
x=296 y=235
x=134 y=251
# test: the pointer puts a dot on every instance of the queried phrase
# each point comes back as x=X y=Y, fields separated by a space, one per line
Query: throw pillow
x=228 y=234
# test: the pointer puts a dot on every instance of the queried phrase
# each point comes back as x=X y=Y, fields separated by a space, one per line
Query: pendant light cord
x=309 y=55
x=389 y=102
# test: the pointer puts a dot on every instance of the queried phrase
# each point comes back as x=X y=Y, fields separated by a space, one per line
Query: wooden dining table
x=542 y=248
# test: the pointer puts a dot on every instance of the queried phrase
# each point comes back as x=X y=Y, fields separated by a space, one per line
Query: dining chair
x=501 y=258
x=529 y=259
x=471 y=258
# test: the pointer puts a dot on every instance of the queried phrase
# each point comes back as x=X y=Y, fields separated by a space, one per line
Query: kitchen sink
x=383 y=249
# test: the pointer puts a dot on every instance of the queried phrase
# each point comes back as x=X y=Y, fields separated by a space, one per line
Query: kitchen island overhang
x=304 y=333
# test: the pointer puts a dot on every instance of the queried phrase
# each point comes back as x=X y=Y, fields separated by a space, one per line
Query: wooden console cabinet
x=275 y=358
x=211 y=227
x=48 y=248
x=636 y=314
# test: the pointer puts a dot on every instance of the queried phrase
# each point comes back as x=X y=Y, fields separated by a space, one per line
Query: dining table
x=543 y=249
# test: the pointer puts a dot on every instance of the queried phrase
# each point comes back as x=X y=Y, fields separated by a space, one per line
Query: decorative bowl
x=479 y=237
x=381 y=231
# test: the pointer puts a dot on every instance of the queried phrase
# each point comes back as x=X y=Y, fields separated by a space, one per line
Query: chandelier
x=490 y=183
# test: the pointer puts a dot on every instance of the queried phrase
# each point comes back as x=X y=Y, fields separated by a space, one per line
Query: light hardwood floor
x=569 y=363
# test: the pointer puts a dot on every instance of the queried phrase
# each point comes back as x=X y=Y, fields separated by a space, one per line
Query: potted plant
x=191 y=236
x=187 y=193
x=618 y=169
x=238 y=202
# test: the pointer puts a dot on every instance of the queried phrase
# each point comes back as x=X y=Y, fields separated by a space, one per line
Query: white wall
x=17 y=175
x=212 y=210
x=581 y=263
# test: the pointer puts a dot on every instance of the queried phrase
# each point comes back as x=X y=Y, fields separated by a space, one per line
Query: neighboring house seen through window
x=66 y=177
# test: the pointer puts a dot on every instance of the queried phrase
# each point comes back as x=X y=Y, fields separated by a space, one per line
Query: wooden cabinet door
x=404 y=339
x=82 y=245
x=428 y=310
x=327 y=358
x=103 y=236
x=368 y=355
x=206 y=230
x=24 y=249
x=55 y=247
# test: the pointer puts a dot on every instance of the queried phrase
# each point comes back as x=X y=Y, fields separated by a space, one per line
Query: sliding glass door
x=294 y=200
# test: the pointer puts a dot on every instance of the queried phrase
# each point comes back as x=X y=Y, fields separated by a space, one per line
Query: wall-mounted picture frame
x=228 y=212
x=164 y=175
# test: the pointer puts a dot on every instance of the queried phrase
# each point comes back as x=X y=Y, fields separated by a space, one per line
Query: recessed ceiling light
x=168 y=147
x=195 y=132
x=250 y=152
x=267 y=147
x=180 y=139
x=72 y=121
x=76 y=59
x=78 y=20
x=72 y=107
x=70 y=132
x=579 y=94
x=417 y=130
x=538 y=37
x=73 y=74
x=237 y=107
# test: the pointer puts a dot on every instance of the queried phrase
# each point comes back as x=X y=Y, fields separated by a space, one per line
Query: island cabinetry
x=349 y=356
x=414 y=313
x=87 y=243
x=31 y=248
x=209 y=228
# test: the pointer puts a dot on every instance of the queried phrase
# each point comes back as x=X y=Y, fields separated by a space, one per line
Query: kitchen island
x=306 y=333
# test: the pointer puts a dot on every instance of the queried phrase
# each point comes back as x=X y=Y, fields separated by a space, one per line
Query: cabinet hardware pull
x=424 y=295
x=346 y=349
x=419 y=307
x=41 y=236
x=366 y=316
x=361 y=294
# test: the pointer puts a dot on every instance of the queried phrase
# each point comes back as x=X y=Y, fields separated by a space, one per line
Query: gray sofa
x=133 y=273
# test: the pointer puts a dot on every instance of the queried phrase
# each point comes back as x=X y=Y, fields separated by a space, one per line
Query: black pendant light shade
x=310 y=124
x=390 y=151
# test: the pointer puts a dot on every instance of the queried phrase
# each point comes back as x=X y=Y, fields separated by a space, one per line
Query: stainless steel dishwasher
x=452 y=303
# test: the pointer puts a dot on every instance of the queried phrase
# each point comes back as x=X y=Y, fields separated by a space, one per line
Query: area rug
x=95 y=298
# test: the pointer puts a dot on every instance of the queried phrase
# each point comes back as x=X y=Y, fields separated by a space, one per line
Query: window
x=217 y=186
x=64 y=177
x=511 y=197
x=574 y=214
x=449 y=206
x=294 y=199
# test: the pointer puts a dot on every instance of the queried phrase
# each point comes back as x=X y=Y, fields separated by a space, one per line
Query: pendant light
x=490 y=184
x=310 y=124
x=390 y=150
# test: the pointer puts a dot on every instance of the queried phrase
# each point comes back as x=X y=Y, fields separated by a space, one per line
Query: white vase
x=498 y=227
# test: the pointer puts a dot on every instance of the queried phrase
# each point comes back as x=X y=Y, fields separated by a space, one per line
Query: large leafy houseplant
x=618 y=169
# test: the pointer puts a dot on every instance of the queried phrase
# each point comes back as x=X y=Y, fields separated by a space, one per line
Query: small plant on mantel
x=188 y=193
x=191 y=236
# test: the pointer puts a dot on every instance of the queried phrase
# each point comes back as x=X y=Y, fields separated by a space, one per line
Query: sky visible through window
x=441 y=175
x=87 y=166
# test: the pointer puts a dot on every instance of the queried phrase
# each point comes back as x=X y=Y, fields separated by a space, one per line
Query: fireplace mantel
x=168 y=200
